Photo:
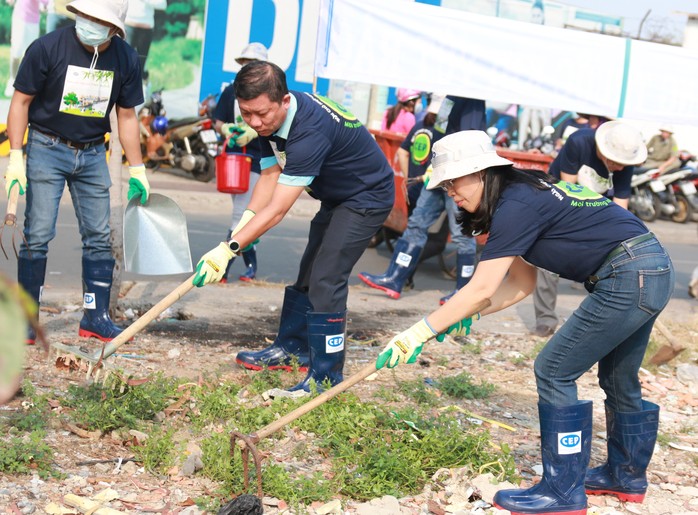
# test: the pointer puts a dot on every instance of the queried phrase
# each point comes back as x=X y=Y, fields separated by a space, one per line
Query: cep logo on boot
x=403 y=259
x=334 y=343
x=569 y=443
x=88 y=301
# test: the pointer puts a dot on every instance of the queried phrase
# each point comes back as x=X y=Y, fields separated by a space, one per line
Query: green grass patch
x=27 y=454
x=172 y=63
x=4 y=69
x=157 y=452
x=461 y=386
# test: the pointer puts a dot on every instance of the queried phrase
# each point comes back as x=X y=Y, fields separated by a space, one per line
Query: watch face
x=234 y=246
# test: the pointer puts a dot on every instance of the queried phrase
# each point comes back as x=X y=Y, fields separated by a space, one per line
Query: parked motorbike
x=644 y=185
x=680 y=192
x=688 y=186
x=190 y=144
x=544 y=142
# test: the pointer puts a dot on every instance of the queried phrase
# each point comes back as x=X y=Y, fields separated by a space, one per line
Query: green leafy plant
x=27 y=455
x=35 y=412
x=461 y=386
x=156 y=453
x=418 y=391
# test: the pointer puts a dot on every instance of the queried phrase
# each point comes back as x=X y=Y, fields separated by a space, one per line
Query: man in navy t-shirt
x=308 y=143
x=67 y=84
x=603 y=160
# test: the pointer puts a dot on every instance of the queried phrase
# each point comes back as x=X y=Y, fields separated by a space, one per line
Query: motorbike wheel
x=684 y=211
x=208 y=172
x=646 y=208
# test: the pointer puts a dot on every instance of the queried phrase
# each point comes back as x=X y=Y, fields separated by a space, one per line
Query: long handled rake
x=11 y=220
x=247 y=443
x=96 y=358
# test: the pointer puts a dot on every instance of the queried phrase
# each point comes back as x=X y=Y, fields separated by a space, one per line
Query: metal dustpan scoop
x=155 y=237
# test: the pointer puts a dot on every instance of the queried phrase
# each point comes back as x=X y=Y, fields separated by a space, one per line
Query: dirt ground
x=202 y=333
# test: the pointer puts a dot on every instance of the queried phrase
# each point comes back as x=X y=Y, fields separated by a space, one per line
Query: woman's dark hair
x=394 y=111
x=495 y=181
x=429 y=119
x=259 y=77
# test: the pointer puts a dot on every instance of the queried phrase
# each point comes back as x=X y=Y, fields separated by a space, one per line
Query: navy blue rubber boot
x=326 y=337
x=630 y=442
x=250 y=259
x=290 y=342
x=402 y=265
x=565 y=448
x=465 y=267
x=96 y=287
x=30 y=275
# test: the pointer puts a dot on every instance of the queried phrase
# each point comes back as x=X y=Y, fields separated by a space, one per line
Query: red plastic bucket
x=233 y=172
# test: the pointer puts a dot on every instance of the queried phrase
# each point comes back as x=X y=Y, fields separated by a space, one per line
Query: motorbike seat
x=173 y=124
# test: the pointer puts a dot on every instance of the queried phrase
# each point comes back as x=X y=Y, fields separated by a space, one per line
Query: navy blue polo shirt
x=566 y=228
x=326 y=148
x=580 y=151
x=67 y=104
x=225 y=112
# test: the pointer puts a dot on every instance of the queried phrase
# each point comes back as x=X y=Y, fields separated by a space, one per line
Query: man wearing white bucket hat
x=65 y=89
x=534 y=220
x=241 y=139
x=603 y=160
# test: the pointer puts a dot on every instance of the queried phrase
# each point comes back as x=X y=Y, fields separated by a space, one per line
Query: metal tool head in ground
x=155 y=237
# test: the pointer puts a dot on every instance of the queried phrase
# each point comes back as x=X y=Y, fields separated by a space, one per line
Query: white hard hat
x=253 y=52
x=463 y=153
x=111 y=11
x=621 y=142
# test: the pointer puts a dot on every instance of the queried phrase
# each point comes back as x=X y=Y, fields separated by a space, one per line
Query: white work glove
x=16 y=172
x=138 y=183
x=406 y=346
x=212 y=265
x=239 y=134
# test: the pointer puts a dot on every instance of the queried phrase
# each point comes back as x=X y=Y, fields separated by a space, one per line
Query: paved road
x=208 y=211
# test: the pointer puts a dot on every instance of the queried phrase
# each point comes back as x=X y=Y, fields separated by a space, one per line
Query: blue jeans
x=50 y=165
x=611 y=327
x=430 y=205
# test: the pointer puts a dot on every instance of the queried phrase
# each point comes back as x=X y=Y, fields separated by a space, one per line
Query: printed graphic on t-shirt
x=86 y=92
x=338 y=112
x=442 y=116
x=580 y=196
x=587 y=176
x=280 y=154
x=420 y=150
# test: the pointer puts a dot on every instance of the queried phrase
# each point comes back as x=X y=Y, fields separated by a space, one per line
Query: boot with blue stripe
x=630 y=442
x=465 y=267
x=96 y=287
x=565 y=448
x=402 y=266
x=30 y=275
x=291 y=343
x=326 y=338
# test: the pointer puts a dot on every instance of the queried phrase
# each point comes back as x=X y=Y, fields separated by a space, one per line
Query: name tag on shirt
x=86 y=92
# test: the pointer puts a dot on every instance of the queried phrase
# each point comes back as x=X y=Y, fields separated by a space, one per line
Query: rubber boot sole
x=285 y=368
x=390 y=293
x=582 y=511
x=84 y=333
x=623 y=496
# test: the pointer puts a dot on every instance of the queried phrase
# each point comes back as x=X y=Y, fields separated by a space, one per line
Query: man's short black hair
x=259 y=77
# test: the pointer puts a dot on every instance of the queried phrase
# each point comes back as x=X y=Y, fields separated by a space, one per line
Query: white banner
x=408 y=44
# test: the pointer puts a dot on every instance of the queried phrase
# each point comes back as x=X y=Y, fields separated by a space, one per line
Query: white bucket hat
x=463 y=153
x=111 y=11
x=254 y=52
x=621 y=142
x=667 y=128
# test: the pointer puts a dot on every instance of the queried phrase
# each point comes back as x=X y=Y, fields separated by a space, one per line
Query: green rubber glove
x=212 y=265
x=16 y=172
x=461 y=328
x=138 y=183
x=406 y=346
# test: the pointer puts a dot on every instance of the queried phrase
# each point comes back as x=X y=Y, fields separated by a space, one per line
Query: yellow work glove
x=247 y=215
x=212 y=265
x=406 y=346
x=240 y=134
x=138 y=183
x=16 y=172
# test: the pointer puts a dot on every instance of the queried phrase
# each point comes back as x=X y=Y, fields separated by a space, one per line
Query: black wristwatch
x=234 y=247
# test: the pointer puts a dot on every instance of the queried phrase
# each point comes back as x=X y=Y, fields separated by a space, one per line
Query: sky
x=665 y=16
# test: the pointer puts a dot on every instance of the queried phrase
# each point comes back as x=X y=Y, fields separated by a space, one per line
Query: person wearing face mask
x=66 y=86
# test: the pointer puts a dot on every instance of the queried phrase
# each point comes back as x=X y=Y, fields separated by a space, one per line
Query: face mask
x=91 y=33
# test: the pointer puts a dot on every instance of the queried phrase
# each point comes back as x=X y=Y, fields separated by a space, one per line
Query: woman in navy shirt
x=534 y=220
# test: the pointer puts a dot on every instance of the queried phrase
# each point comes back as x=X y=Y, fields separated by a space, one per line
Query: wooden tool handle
x=148 y=317
x=12 y=204
x=314 y=403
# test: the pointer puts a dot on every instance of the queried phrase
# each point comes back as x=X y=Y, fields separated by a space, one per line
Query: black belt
x=591 y=281
x=74 y=144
